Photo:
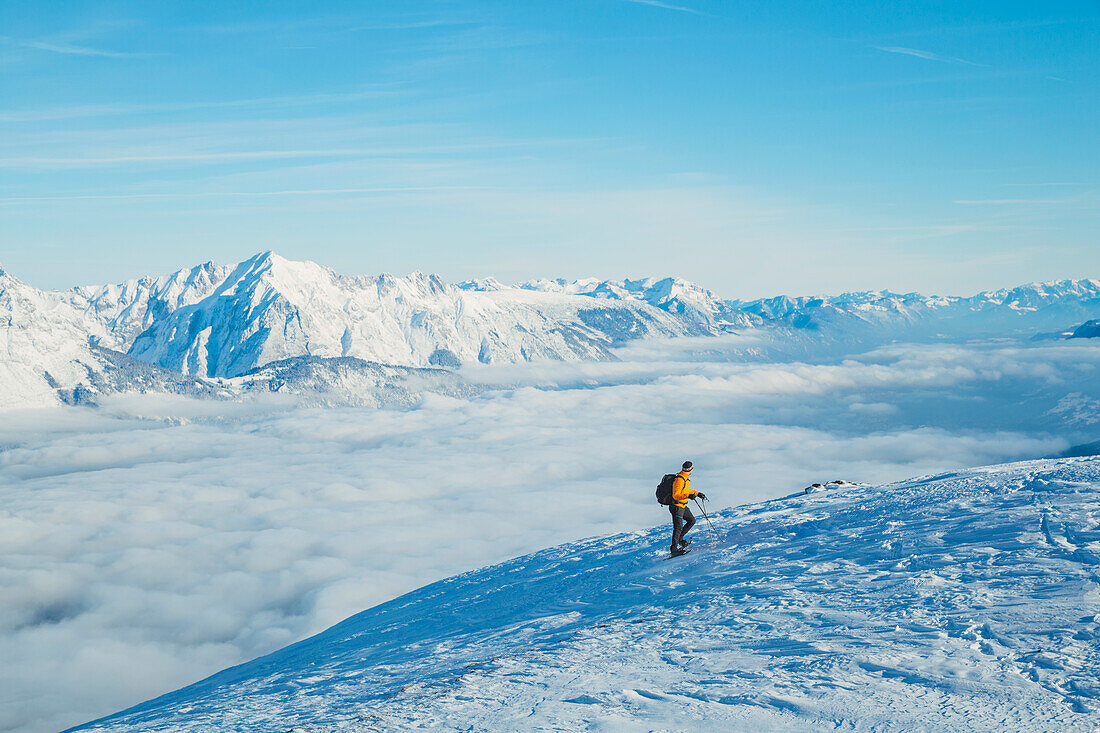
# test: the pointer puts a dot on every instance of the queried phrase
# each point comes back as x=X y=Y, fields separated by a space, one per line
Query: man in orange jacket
x=682 y=518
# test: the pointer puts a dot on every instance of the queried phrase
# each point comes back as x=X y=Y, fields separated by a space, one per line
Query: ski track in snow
x=963 y=601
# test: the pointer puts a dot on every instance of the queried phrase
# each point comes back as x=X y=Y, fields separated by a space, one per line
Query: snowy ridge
x=1020 y=310
x=128 y=308
x=964 y=601
x=216 y=321
x=270 y=308
x=671 y=294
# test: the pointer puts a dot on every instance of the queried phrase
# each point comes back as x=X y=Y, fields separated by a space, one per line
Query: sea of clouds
x=152 y=541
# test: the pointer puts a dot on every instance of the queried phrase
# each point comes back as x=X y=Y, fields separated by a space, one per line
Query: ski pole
x=704 y=512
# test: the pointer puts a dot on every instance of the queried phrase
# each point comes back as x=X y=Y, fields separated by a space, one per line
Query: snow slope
x=963 y=601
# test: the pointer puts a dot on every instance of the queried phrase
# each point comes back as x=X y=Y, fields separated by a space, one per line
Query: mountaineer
x=674 y=491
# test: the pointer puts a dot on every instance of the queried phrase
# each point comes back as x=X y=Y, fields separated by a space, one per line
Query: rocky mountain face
x=1087 y=330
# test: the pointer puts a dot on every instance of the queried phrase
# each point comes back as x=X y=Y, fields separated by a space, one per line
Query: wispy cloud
x=71 y=50
x=667 y=6
x=235 y=194
x=63 y=113
x=1045 y=183
x=412 y=25
x=1007 y=202
x=196 y=157
x=927 y=55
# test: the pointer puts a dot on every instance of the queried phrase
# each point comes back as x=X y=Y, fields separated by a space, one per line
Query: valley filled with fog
x=153 y=539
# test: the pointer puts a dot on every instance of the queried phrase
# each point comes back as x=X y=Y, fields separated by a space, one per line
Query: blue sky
x=757 y=148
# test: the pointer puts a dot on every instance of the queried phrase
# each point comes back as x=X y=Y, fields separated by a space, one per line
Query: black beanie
x=688 y=465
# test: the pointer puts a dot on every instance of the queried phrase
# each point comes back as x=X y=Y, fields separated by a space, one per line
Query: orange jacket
x=681 y=490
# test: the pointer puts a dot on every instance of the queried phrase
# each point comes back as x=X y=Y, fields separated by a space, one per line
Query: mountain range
x=202 y=330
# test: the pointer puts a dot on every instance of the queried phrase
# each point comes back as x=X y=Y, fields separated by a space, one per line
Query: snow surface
x=963 y=601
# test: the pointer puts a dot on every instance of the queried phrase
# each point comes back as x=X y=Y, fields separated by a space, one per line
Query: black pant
x=682 y=521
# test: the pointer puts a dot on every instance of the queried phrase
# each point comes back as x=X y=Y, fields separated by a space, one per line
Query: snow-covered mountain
x=128 y=308
x=43 y=344
x=1017 y=311
x=217 y=321
x=682 y=298
x=61 y=347
x=50 y=353
x=269 y=309
x=964 y=601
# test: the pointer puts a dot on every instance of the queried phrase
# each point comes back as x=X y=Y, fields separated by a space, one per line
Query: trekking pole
x=704 y=512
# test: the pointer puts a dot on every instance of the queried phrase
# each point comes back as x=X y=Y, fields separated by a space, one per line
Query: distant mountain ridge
x=217 y=321
x=1012 y=311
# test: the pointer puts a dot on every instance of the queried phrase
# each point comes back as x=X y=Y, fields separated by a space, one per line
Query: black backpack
x=664 y=489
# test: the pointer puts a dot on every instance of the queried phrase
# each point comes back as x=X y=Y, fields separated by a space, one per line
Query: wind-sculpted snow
x=962 y=601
